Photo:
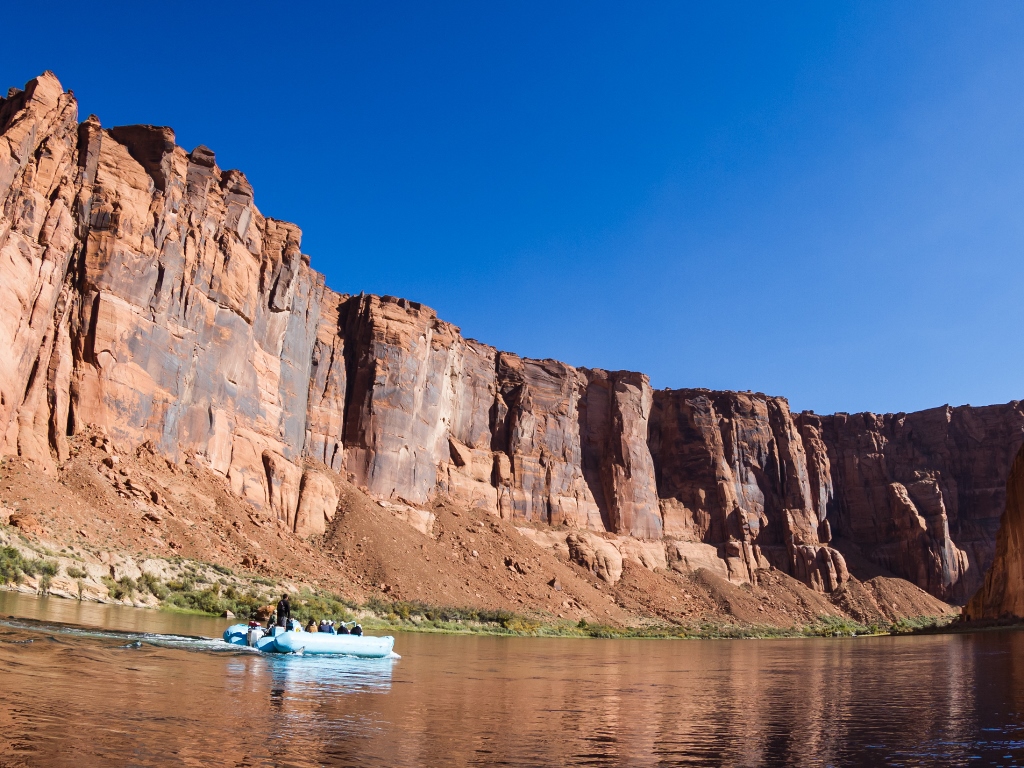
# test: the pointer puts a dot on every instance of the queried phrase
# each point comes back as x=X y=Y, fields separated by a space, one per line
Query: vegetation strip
x=195 y=592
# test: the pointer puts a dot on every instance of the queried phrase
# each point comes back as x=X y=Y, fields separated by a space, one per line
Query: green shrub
x=150 y=583
x=12 y=565
x=122 y=588
x=43 y=567
x=76 y=573
x=214 y=601
x=834 y=626
x=604 y=630
x=320 y=605
x=916 y=623
x=187 y=584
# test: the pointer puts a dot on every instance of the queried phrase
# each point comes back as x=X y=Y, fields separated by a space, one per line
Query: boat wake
x=58 y=632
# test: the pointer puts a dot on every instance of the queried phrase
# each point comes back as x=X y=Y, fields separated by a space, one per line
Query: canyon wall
x=147 y=297
x=734 y=467
x=921 y=493
x=1002 y=594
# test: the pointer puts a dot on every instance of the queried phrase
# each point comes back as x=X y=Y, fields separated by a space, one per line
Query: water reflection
x=91 y=696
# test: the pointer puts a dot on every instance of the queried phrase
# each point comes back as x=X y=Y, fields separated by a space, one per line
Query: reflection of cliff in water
x=101 y=698
x=309 y=719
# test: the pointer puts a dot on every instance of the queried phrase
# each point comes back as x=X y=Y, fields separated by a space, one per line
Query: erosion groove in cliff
x=1002 y=594
x=145 y=296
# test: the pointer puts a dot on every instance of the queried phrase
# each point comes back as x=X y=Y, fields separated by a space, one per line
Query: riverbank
x=136 y=529
x=78 y=571
x=208 y=590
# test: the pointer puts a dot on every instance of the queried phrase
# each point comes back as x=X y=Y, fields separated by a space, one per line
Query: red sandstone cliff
x=147 y=296
x=733 y=469
x=921 y=493
x=1002 y=594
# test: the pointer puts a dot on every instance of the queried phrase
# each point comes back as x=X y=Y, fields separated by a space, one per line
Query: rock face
x=733 y=470
x=596 y=555
x=317 y=504
x=921 y=493
x=148 y=297
x=39 y=228
x=1002 y=594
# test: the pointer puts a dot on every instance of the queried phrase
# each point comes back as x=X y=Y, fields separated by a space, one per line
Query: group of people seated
x=282 y=617
x=332 y=628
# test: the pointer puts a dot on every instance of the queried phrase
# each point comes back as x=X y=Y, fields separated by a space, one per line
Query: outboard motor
x=255 y=633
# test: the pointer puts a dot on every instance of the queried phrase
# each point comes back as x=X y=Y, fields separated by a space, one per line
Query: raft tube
x=313 y=643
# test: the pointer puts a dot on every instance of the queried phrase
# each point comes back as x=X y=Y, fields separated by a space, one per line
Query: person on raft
x=284 y=611
x=312 y=627
x=357 y=629
x=342 y=629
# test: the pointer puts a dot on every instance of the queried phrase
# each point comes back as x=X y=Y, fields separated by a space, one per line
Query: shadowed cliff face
x=146 y=295
x=921 y=493
x=1002 y=594
x=734 y=468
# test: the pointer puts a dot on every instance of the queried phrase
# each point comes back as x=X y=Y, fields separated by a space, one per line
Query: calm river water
x=89 y=685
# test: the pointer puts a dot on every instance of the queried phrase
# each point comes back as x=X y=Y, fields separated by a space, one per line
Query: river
x=88 y=685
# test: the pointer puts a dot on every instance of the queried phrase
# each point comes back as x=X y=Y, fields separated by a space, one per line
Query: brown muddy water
x=90 y=685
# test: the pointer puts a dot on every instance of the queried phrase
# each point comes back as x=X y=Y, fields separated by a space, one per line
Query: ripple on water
x=126 y=692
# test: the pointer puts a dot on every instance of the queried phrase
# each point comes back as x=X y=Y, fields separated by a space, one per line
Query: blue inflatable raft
x=280 y=640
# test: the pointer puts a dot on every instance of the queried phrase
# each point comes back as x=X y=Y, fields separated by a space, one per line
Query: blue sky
x=821 y=200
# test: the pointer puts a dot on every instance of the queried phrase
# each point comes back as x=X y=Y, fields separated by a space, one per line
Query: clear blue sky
x=822 y=201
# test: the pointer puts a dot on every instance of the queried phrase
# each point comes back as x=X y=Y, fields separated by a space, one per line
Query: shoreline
x=191 y=586
x=432 y=620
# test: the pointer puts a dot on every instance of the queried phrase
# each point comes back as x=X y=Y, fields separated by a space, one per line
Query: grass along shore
x=214 y=590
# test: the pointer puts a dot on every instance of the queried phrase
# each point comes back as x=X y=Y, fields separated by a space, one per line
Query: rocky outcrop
x=318 y=502
x=1002 y=594
x=151 y=299
x=147 y=297
x=429 y=411
x=596 y=555
x=616 y=458
x=328 y=384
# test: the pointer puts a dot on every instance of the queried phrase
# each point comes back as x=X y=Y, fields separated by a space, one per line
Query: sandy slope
x=102 y=504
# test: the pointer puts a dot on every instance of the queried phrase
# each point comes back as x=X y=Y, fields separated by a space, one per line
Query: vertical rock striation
x=733 y=470
x=1002 y=593
x=921 y=493
x=145 y=295
x=39 y=220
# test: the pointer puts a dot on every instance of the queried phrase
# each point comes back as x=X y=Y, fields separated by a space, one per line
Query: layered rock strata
x=148 y=297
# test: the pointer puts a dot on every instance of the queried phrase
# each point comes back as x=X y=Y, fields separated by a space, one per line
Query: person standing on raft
x=284 y=612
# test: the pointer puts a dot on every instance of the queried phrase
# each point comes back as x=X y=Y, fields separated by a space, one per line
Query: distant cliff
x=1002 y=594
x=143 y=293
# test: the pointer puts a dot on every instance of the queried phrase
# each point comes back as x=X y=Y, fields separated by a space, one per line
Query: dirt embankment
x=104 y=509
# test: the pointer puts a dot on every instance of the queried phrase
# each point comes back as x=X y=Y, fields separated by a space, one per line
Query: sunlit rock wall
x=146 y=296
